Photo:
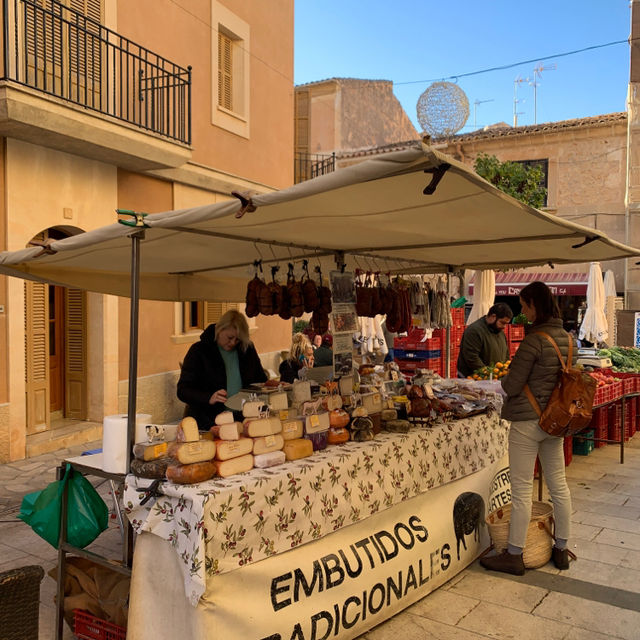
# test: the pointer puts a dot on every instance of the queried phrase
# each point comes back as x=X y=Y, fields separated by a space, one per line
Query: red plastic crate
x=516 y=332
x=568 y=450
x=601 y=433
x=88 y=627
x=615 y=421
x=629 y=412
x=457 y=316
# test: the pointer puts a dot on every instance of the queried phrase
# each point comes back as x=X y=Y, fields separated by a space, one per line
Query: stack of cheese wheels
x=192 y=458
x=150 y=460
x=234 y=451
x=266 y=433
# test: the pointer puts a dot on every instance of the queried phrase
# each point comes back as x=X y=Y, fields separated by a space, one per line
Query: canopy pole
x=448 y=328
x=133 y=342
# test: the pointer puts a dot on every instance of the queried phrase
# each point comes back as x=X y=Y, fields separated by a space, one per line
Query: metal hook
x=255 y=244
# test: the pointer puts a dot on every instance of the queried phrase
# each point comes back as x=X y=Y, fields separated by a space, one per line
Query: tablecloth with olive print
x=223 y=524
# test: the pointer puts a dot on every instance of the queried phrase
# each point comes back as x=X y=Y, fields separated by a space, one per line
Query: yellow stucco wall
x=185 y=37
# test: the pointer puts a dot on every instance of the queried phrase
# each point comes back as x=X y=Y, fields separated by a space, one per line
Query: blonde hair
x=235 y=320
x=299 y=344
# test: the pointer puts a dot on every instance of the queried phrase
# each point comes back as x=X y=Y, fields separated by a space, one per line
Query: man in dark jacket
x=217 y=367
x=483 y=342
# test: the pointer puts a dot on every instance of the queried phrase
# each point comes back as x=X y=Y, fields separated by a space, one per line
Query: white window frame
x=237 y=120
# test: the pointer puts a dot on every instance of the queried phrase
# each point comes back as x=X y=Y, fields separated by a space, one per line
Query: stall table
x=226 y=538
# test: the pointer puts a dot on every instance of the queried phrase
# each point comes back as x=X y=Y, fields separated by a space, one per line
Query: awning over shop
x=412 y=211
x=562 y=284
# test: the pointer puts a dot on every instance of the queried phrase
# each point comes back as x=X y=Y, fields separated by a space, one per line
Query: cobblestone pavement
x=598 y=598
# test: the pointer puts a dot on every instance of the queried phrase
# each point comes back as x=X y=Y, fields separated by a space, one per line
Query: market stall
x=414 y=211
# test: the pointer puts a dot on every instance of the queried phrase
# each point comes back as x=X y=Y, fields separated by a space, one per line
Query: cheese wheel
x=296 y=449
x=270 y=459
x=257 y=427
x=254 y=408
x=318 y=439
x=398 y=426
x=228 y=449
x=187 y=430
x=277 y=400
x=225 y=418
x=389 y=414
x=149 y=451
x=226 y=468
x=292 y=429
x=191 y=452
x=337 y=435
x=265 y=444
x=152 y=469
x=317 y=422
x=228 y=431
x=191 y=473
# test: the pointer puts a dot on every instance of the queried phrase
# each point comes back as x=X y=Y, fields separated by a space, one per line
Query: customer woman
x=300 y=354
x=535 y=363
x=217 y=367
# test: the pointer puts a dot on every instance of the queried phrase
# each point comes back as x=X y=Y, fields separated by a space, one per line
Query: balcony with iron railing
x=95 y=92
x=312 y=165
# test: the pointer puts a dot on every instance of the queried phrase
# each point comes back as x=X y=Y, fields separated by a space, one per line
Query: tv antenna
x=518 y=81
x=537 y=73
x=475 y=109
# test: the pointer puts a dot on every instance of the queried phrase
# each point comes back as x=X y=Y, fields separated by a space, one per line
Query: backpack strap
x=563 y=364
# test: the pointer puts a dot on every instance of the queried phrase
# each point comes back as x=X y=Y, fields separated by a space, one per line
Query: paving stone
x=410 y=626
x=584 y=531
x=586 y=634
x=630 y=489
x=592 y=616
x=447 y=607
x=604 y=508
x=482 y=585
x=631 y=560
x=607 y=522
x=600 y=496
x=588 y=550
x=10 y=557
x=621 y=539
x=502 y=623
x=632 y=502
x=609 y=575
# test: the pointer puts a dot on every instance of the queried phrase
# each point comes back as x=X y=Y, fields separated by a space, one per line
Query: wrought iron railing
x=312 y=165
x=61 y=52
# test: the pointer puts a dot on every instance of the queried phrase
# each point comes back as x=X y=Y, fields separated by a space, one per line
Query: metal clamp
x=138 y=218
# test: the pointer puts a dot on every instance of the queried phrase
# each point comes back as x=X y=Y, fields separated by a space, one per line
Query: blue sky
x=413 y=41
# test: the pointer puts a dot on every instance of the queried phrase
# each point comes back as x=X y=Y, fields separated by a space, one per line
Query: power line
x=517 y=64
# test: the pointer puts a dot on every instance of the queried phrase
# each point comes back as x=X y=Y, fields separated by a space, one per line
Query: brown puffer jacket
x=535 y=363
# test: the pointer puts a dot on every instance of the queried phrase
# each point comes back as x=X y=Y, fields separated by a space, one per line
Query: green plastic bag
x=87 y=514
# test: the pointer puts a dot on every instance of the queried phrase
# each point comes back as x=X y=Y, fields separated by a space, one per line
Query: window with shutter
x=36 y=356
x=225 y=71
x=63 y=43
x=75 y=354
x=230 y=62
x=199 y=315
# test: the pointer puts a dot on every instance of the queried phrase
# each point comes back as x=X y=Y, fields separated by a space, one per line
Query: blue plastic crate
x=405 y=354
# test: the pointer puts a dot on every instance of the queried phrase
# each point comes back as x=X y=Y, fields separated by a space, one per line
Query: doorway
x=56 y=352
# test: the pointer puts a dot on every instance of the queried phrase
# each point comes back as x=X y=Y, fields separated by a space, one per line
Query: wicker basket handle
x=543 y=525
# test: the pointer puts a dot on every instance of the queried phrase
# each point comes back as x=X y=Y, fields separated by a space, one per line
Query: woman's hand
x=218 y=396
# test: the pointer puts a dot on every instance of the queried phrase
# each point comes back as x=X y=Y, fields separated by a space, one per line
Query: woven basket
x=537 y=547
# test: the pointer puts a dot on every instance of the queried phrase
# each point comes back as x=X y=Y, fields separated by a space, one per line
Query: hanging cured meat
x=309 y=290
x=294 y=293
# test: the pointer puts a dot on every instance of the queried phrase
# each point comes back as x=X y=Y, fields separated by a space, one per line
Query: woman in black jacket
x=217 y=367
x=537 y=365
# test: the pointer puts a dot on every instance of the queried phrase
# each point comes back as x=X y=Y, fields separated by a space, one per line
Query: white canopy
x=415 y=211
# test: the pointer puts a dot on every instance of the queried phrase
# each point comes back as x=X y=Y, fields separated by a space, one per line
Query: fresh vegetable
x=520 y=319
x=602 y=378
x=624 y=359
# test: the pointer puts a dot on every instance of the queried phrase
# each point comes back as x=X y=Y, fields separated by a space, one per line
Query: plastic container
x=583 y=444
x=88 y=627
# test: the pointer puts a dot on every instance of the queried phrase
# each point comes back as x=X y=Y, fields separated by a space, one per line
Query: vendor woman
x=217 y=367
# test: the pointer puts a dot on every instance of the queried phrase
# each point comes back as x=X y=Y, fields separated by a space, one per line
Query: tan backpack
x=570 y=405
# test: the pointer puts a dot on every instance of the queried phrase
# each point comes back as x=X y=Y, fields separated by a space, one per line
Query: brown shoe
x=560 y=558
x=505 y=562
